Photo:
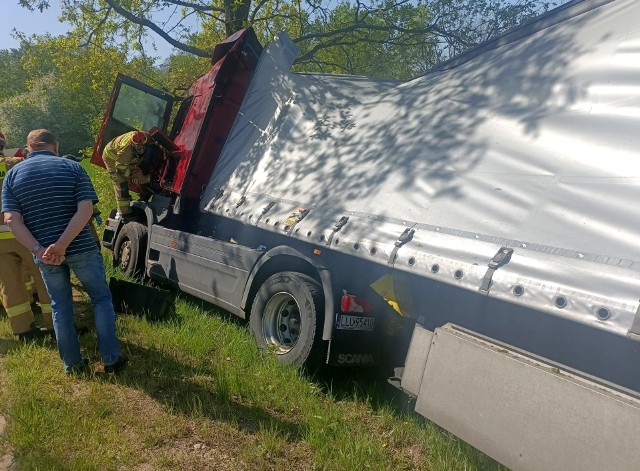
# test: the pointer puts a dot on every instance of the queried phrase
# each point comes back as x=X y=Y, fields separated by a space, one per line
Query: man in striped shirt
x=47 y=203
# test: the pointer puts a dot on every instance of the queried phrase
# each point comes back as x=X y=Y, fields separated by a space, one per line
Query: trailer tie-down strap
x=405 y=237
x=241 y=201
x=265 y=210
x=338 y=225
x=218 y=192
x=500 y=259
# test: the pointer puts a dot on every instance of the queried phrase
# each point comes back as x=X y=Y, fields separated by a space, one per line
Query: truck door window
x=133 y=106
x=138 y=109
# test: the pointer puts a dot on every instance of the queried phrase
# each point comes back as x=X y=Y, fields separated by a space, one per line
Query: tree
x=64 y=87
x=12 y=80
x=395 y=55
x=325 y=31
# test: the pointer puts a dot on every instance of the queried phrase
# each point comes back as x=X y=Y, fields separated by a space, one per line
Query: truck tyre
x=286 y=318
x=130 y=249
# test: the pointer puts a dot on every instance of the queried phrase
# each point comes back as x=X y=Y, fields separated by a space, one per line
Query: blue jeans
x=89 y=269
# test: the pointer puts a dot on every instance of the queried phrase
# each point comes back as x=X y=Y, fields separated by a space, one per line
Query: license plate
x=347 y=322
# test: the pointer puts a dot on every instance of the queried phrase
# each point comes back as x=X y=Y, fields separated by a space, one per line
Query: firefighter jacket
x=19 y=274
x=120 y=155
x=6 y=163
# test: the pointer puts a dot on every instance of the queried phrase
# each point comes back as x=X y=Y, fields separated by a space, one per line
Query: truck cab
x=201 y=123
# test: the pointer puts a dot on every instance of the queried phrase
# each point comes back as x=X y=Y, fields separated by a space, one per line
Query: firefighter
x=29 y=281
x=16 y=262
x=130 y=158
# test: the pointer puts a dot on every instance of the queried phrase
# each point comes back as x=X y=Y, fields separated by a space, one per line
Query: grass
x=198 y=395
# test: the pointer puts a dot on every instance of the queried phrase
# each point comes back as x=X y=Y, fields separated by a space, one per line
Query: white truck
x=477 y=225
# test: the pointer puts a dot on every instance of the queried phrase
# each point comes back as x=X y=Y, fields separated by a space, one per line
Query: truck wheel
x=286 y=318
x=130 y=249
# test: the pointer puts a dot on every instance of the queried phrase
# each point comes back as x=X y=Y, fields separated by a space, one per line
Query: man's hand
x=52 y=255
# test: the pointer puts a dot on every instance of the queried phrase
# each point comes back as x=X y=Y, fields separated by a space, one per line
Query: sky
x=14 y=16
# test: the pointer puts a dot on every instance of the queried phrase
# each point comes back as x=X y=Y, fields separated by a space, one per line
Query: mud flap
x=353 y=348
x=140 y=300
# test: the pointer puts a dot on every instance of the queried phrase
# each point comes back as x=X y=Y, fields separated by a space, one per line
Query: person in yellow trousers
x=130 y=158
x=16 y=262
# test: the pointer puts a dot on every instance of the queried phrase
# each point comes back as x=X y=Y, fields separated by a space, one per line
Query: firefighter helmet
x=139 y=138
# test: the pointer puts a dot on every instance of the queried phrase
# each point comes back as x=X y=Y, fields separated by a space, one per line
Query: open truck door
x=201 y=124
x=133 y=106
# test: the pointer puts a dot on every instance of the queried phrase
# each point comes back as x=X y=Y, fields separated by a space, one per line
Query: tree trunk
x=236 y=15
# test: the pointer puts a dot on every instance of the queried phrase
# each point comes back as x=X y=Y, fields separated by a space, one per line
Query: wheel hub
x=281 y=322
x=125 y=254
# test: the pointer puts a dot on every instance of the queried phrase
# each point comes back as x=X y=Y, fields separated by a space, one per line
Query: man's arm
x=76 y=224
x=21 y=232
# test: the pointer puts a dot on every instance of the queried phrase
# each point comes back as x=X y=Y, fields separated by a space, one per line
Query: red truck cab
x=201 y=124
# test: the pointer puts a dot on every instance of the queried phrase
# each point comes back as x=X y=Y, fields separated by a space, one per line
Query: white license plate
x=347 y=322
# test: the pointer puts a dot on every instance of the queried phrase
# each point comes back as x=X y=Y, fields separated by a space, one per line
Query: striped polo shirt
x=45 y=190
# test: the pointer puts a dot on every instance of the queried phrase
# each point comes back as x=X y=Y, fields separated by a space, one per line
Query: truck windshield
x=138 y=109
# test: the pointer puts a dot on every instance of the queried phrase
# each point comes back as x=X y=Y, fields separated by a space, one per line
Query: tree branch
x=93 y=31
x=336 y=36
x=156 y=29
x=196 y=6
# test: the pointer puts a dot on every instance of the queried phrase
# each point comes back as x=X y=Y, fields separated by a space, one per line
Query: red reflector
x=345 y=304
x=352 y=303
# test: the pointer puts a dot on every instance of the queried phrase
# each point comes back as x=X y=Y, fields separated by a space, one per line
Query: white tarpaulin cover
x=529 y=141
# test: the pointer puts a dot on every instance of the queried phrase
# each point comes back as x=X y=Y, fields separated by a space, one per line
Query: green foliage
x=392 y=38
x=12 y=79
x=181 y=70
x=65 y=89
x=374 y=49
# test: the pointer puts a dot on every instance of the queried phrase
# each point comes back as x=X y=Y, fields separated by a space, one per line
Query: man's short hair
x=40 y=138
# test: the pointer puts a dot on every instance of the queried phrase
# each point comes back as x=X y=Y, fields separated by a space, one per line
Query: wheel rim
x=125 y=254
x=281 y=322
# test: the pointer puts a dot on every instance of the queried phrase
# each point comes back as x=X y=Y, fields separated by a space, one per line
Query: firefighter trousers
x=118 y=173
x=15 y=298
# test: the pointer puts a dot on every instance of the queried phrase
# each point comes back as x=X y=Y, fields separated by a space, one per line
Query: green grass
x=198 y=395
x=103 y=186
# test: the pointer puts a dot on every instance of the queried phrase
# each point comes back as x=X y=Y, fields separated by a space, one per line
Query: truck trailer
x=474 y=227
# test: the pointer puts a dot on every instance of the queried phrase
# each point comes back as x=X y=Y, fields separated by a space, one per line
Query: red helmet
x=139 y=137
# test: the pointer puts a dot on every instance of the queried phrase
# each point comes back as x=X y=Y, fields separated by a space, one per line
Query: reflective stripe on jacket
x=120 y=151
x=6 y=164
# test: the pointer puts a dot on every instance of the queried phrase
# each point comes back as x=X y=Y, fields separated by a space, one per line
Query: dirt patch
x=7 y=461
x=82 y=309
